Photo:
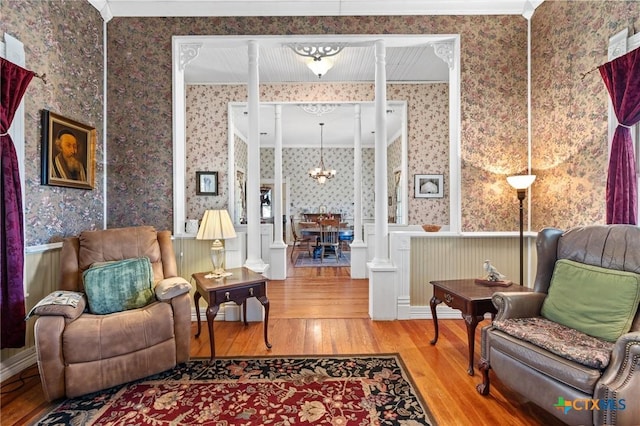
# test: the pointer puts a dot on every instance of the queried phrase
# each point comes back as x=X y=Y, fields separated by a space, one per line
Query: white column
x=358 y=247
x=357 y=175
x=276 y=202
x=254 y=260
x=278 y=262
x=381 y=254
x=382 y=274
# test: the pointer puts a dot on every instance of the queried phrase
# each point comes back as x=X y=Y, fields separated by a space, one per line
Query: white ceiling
x=220 y=61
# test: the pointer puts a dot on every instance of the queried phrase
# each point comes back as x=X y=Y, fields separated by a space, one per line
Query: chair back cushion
x=119 y=286
x=80 y=253
x=597 y=301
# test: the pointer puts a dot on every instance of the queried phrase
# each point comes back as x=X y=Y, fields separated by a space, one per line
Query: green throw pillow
x=597 y=301
x=119 y=286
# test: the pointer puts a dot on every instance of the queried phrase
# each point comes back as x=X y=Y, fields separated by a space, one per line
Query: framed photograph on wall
x=429 y=186
x=68 y=152
x=206 y=183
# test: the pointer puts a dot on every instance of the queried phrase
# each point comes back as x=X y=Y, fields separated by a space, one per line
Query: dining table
x=344 y=234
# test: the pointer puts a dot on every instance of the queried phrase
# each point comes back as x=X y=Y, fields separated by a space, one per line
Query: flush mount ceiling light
x=320 y=173
x=319 y=56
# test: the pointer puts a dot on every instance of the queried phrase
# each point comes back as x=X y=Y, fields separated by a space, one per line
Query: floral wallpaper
x=570 y=146
x=394 y=161
x=64 y=41
x=428 y=140
x=337 y=195
x=142 y=46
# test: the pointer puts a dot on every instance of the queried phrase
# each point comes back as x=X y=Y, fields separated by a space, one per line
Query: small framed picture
x=429 y=186
x=206 y=183
x=68 y=152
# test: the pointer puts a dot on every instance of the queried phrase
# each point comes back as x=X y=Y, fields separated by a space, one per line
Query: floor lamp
x=521 y=183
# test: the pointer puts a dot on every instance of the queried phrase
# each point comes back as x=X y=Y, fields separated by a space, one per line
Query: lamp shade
x=216 y=225
x=320 y=66
x=521 y=181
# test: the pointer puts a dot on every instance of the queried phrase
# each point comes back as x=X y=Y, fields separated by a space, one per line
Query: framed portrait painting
x=429 y=186
x=206 y=183
x=68 y=152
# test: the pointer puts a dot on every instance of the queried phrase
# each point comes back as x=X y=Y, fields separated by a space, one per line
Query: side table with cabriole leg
x=239 y=287
x=472 y=299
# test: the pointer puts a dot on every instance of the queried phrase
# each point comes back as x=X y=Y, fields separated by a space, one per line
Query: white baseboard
x=20 y=361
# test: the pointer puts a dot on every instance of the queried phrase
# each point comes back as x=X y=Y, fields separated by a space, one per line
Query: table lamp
x=216 y=225
x=521 y=183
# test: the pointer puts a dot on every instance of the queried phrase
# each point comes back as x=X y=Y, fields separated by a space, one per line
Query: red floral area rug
x=336 y=390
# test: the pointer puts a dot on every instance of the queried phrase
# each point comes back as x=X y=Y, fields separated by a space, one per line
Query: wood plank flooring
x=322 y=311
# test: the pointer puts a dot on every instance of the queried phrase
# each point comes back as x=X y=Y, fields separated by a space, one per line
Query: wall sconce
x=521 y=183
x=216 y=225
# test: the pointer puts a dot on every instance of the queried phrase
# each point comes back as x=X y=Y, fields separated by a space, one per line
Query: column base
x=383 y=304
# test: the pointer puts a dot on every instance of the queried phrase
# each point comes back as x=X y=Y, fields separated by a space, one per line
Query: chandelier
x=320 y=173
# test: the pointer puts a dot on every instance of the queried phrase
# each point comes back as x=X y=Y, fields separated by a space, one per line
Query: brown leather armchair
x=552 y=372
x=79 y=352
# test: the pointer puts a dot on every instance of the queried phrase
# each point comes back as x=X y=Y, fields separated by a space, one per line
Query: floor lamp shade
x=216 y=225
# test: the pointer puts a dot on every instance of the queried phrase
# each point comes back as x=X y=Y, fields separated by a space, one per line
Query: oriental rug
x=304 y=260
x=334 y=390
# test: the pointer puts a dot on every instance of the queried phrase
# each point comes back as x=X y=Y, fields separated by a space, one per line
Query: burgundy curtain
x=13 y=82
x=622 y=78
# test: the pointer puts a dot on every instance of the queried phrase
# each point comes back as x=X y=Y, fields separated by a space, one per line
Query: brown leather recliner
x=79 y=352
x=546 y=372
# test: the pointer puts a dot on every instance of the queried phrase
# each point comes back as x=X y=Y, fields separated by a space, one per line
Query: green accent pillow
x=597 y=301
x=119 y=286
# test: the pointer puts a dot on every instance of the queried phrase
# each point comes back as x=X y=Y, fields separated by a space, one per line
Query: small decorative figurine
x=492 y=272
x=493 y=277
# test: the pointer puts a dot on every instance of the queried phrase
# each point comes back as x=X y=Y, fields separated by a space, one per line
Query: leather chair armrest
x=66 y=311
x=619 y=386
x=182 y=326
x=169 y=288
x=48 y=336
x=517 y=305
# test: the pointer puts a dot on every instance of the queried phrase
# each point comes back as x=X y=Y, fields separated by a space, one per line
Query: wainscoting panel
x=448 y=258
x=42 y=272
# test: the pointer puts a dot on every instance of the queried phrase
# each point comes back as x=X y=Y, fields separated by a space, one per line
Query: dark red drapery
x=13 y=83
x=622 y=78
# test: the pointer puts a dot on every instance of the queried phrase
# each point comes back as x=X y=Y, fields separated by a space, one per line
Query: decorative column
x=254 y=260
x=278 y=265
x=358 y=247
x=382 y=273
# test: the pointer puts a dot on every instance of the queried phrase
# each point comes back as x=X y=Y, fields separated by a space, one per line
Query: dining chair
x=299 y=240
x=345 y=239
x=329 y=238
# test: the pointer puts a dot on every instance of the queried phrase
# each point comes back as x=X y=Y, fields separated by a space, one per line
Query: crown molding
x=182 y=8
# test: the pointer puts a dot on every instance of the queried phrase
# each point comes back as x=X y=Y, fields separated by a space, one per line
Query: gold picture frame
x=68 y=152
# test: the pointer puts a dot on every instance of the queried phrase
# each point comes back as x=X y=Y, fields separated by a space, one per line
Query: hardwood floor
x=322 y=311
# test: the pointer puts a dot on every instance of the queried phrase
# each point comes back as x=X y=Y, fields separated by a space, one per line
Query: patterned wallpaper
x=394 y=158
x=428 y=140
x=570 y=147
x=64 y=41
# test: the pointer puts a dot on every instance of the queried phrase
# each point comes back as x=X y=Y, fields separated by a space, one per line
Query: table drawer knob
x=226 y=296
x=251 y=291
x=448 y=298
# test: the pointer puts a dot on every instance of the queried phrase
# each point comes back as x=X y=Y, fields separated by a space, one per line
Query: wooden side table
x=243 y=284
x=472 y=299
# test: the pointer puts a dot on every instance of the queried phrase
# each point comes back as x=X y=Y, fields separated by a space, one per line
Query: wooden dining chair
x=300 y=240
x=329 y=238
